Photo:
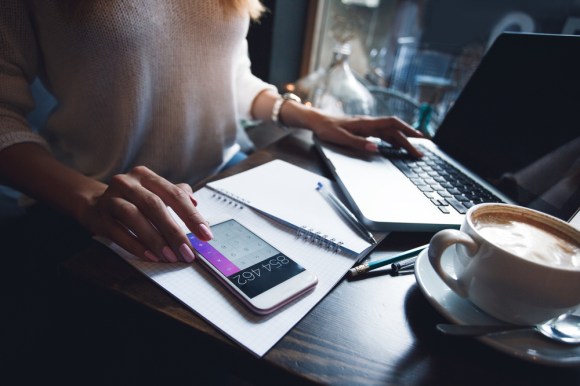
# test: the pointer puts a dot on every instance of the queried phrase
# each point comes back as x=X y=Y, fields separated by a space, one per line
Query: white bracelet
x=278 y=106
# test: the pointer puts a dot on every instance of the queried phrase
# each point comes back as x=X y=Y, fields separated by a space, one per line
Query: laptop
x=512 y=135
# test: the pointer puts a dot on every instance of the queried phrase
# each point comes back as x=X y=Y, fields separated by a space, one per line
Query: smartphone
x=260 y=275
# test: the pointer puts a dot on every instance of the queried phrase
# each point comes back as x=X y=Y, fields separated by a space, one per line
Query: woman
x=149 y=95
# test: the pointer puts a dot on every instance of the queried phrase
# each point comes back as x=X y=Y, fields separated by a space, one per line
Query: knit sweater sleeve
x=247 y=85
x=18 y=68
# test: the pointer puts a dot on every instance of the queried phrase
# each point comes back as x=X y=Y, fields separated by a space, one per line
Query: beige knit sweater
x=138 y=82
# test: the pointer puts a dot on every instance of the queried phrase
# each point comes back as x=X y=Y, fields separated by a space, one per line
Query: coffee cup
x=516 y=264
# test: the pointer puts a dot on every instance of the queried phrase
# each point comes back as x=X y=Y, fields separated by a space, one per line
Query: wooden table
x=380 y=330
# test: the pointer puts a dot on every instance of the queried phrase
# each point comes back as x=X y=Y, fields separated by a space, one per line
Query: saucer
x=529 y=345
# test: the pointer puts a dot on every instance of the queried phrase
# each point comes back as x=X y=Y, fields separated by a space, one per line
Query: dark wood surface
x=378 y=330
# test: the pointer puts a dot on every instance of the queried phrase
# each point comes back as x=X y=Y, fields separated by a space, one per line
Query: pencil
x=388 y=260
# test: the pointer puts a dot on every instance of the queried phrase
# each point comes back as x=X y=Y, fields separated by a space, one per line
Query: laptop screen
x=517 y=121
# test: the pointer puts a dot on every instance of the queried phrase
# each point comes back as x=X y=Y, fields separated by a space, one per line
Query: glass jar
x=338 y=91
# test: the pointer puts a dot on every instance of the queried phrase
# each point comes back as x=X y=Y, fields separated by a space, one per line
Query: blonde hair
x=254 y=8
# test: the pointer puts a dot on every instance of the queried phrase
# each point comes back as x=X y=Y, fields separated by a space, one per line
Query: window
x=423 y=51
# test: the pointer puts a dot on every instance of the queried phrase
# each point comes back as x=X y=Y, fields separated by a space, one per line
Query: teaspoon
x=565 y=328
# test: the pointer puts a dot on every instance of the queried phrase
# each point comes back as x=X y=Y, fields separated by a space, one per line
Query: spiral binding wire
x=303 y=232
x=310 y=235
x=230 y=195
x=227 y=200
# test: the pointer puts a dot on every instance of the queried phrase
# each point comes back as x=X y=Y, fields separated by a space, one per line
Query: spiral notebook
x=287 y=193
x=198 y=290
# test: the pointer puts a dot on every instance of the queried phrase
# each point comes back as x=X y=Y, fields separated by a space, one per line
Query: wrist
x=279 y=103
x=303 y=116
x=42 y=178
x=85 y=198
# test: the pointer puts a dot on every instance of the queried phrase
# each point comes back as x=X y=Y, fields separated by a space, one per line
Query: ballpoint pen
x=404 y=266
x=388 y=260
x=346 y=213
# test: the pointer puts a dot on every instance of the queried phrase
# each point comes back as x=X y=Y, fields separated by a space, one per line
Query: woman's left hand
x=352 y=131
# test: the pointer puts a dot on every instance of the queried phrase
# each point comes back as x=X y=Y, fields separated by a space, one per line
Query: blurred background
x=409 y=58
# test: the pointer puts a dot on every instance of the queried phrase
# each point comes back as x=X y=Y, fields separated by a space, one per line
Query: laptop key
x=438 y=202
x=458 y=206
x=438 y=188
x=425 y=188
x=468 y=204
x=417 y=181
x=433 y=173
x=453 y=191
x=444 y=193
x=461 y=198
x=430 y=181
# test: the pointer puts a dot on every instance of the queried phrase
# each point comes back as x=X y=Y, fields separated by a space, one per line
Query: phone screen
x=250 y=263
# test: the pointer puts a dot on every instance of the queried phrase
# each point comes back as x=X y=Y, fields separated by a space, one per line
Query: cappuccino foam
x=530 y=240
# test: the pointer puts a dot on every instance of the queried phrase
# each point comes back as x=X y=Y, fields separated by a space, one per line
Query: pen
x=403 y=266
x=346 y=213
x=388 y=260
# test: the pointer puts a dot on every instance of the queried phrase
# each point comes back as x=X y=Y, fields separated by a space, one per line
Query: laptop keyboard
x=443 y=184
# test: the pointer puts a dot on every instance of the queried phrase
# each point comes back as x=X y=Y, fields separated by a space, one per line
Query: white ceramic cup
x=506 y=283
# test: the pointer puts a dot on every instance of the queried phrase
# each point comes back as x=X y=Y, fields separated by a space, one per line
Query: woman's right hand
x=132 y=212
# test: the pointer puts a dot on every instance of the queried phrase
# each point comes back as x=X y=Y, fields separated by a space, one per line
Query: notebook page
x=200 y=291
x=288 y=192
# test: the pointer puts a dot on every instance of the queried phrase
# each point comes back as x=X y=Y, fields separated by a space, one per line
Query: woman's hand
x=352 y=131
x=132 y=212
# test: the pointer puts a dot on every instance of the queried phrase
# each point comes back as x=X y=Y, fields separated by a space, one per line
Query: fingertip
x=418 y=154
x=371 y=146
x=205 y=232
x=169 y=255
x=186 y=253
x=151 y=257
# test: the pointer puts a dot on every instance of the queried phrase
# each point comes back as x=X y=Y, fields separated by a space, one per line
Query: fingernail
x=205 y=232
x=150 y=256
x=193 y=200
x=186 y=253
x=169 y=255
x=371 y=146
